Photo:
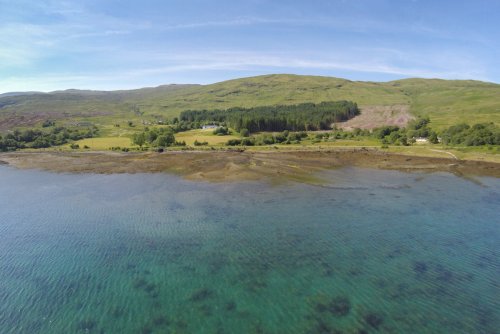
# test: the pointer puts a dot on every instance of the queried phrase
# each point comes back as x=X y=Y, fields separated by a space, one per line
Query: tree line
x=37 y=138
x=156 y=137
x=476 y=135
x=299 y=117
x=285 y=137
x=460 y=134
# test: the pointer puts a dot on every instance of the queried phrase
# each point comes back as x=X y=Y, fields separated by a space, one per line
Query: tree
x=139 y=139
x=200 y=143
x=244 y=132
x=221 y=131
x=165 y=140
x=48 y=123
x=233 y=142
x=433 y=138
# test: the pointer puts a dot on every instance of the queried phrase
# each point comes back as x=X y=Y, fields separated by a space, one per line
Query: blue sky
x=99 y=44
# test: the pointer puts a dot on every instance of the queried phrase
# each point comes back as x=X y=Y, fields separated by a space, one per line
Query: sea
x=365 y=251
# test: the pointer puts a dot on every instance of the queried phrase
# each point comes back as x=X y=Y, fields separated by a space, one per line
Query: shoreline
x=220 y=166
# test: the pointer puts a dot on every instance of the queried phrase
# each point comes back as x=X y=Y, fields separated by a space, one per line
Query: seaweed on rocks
x=339 y=306
x=321 y=327
x=374 y=319
x=231 y=306
x=146 y=329
x=182 y=325
x=205 y=310
x=160 y=320
x=217 y=262
x=201 y=295
x=151 y=289
x=443 y=274
x=87 y=325
x=139 y=283
x=117 y=312
x=420 y=267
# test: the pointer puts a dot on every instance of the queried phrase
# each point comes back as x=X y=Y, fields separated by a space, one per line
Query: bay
x=369 y=251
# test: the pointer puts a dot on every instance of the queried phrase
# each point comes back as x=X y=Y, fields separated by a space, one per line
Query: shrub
x=244 y=132
x=233 y=142
x=197 y=143
x=221 y=131
x=248 y=141
x=48 y=123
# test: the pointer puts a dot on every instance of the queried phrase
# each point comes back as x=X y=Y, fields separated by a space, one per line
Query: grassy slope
x=446 y=102
x=280 y=89
x=451 y=101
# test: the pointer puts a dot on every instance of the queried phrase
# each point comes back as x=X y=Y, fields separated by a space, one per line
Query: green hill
x=446 y=102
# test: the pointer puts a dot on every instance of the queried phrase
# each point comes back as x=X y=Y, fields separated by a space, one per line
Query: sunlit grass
x=203 y=136
x=104 y=143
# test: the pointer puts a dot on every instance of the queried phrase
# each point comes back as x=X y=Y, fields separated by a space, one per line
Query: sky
x=48 y=45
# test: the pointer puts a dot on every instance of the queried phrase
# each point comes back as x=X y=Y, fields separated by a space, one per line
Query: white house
x=421 y=140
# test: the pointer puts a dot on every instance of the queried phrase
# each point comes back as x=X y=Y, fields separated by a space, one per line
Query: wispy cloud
x=62 y=44
x=25 y=43
x=380 y=61
x=242 y=21
x=176 y=66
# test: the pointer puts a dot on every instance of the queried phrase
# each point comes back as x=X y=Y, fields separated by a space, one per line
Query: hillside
x=445 y=102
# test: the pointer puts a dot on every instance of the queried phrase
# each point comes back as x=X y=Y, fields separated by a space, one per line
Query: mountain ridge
x=446 y=102
x=67 y=90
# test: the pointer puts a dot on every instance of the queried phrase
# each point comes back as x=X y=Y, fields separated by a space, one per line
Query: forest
x=299 y=117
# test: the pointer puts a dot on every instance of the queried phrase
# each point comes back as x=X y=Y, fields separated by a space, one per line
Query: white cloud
x=178 y=65
x=369 y=61
x=25 y=46
x=23 y=43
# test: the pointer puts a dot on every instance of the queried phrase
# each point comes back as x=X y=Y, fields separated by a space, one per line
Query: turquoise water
x=370 y=252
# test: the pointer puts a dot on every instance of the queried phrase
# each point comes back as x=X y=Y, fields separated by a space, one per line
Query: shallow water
x=370 y=252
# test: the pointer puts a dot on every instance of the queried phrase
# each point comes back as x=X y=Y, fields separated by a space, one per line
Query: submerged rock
x=231 y=306
x=374 y=320
x=420 y=267
x=160 y=321
x=201 y=295
x=339 y=306
x=86 y=325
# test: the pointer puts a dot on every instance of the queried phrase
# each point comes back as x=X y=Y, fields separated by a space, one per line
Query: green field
x=445 y=102
x=203 y=136
x=104 y=143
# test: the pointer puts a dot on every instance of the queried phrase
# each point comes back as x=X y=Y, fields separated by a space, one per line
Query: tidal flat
x=239 y=165
x=367 y=251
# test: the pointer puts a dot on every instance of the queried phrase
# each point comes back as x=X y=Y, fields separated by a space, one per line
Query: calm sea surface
x=370 y=252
